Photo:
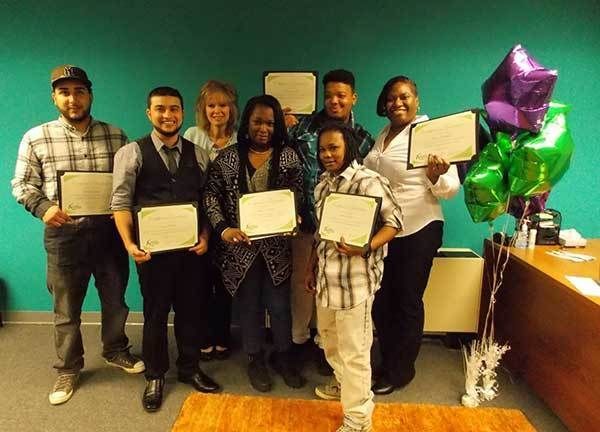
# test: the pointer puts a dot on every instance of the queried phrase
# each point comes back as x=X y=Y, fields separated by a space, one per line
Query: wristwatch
x=366 y=252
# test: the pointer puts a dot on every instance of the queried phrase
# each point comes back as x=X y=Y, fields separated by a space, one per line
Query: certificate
x=453 y=137
x=166 y=228
x=267 y=214
x=296 y=90
x=84 y=193
x=349 y=216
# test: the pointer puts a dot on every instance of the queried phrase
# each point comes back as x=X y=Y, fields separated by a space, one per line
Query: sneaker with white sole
x=330 y=391
x=63 y=388
x=346 y=428
x=128 y=362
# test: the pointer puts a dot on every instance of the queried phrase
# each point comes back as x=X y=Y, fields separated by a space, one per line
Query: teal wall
x=129 y=47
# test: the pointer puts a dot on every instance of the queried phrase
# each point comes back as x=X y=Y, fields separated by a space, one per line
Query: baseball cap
x=69 y=72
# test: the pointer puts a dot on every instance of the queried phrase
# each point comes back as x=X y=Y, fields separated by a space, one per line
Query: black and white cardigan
x=220 y=200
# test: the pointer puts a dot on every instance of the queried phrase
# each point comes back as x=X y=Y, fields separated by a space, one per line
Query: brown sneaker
x=346 y=428
x=330 y=391
x=63 y=388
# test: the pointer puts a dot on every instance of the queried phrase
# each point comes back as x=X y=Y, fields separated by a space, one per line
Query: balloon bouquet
x=530 y=152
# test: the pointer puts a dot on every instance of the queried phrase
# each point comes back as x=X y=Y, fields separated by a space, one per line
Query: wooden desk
x=553 y=330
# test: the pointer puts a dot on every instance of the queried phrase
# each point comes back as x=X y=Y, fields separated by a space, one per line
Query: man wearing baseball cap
x=76 y=247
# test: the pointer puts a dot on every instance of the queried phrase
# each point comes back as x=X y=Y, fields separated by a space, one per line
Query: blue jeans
x=75 y=251
x=256 y=293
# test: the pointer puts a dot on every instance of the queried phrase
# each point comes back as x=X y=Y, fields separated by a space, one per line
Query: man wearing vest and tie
x=162 y=168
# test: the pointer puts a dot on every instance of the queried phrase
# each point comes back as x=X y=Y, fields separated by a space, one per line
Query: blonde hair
x=209 y=88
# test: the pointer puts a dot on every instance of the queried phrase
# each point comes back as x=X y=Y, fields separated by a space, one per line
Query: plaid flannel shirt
x=346 y=281
x=57 y=145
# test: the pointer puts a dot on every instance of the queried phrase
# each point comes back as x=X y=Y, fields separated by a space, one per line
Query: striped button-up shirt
x=55 y=146
x=346 y=281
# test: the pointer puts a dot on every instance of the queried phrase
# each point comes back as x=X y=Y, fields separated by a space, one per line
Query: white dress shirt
x=415 y=193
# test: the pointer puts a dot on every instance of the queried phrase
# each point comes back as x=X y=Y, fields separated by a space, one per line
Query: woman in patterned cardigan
x=257 y=273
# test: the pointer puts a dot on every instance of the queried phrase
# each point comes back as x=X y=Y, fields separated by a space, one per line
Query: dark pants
x=173 y=279
x=398 y=311
x=257 y=292
x=219 y=313
x=76 y=251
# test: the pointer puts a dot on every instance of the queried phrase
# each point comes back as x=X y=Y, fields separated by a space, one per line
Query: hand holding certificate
x=453 y=137
x=267 y=214
x=351 y=217
x=166 y=228
x=84 y=193
x=296 y=90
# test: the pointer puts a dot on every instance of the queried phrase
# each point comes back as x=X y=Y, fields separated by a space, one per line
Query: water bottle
x=521 y=242
x=532 y=238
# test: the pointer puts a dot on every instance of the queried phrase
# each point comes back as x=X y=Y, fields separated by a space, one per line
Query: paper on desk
x=575 y=257
x=587 y=286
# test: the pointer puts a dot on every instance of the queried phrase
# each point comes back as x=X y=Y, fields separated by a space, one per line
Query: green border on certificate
x=84 y=193
x=268 y=214
x=293 y=89
x=166 y=227
x=352 y=217
x=454 y=137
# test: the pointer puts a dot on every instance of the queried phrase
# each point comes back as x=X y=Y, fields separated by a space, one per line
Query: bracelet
x=223 y=232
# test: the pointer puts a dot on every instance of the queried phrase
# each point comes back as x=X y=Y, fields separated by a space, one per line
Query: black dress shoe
x=383 y=386
x=153 y=394
x=201 y=382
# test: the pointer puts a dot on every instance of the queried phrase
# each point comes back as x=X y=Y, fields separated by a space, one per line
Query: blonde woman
x=216 y=119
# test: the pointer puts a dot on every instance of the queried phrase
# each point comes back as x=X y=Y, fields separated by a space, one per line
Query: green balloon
x=498 y=151
x=486 y=190
x=540 y=160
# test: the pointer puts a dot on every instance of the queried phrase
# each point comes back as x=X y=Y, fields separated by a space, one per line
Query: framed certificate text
x=351 y=217
x=84 y=193
x=267 y=214
x=453 y=137
x=167 y=228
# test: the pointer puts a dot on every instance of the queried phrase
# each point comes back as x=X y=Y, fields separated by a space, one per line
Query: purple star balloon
x=518 y=205
x=517 y=94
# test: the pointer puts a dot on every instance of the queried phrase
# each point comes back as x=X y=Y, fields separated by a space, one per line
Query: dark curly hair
x=279 y=140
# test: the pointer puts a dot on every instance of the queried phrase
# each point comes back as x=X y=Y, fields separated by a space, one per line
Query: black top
x=156 y=185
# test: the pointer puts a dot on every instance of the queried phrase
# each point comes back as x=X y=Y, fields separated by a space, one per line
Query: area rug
x=234 y=413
